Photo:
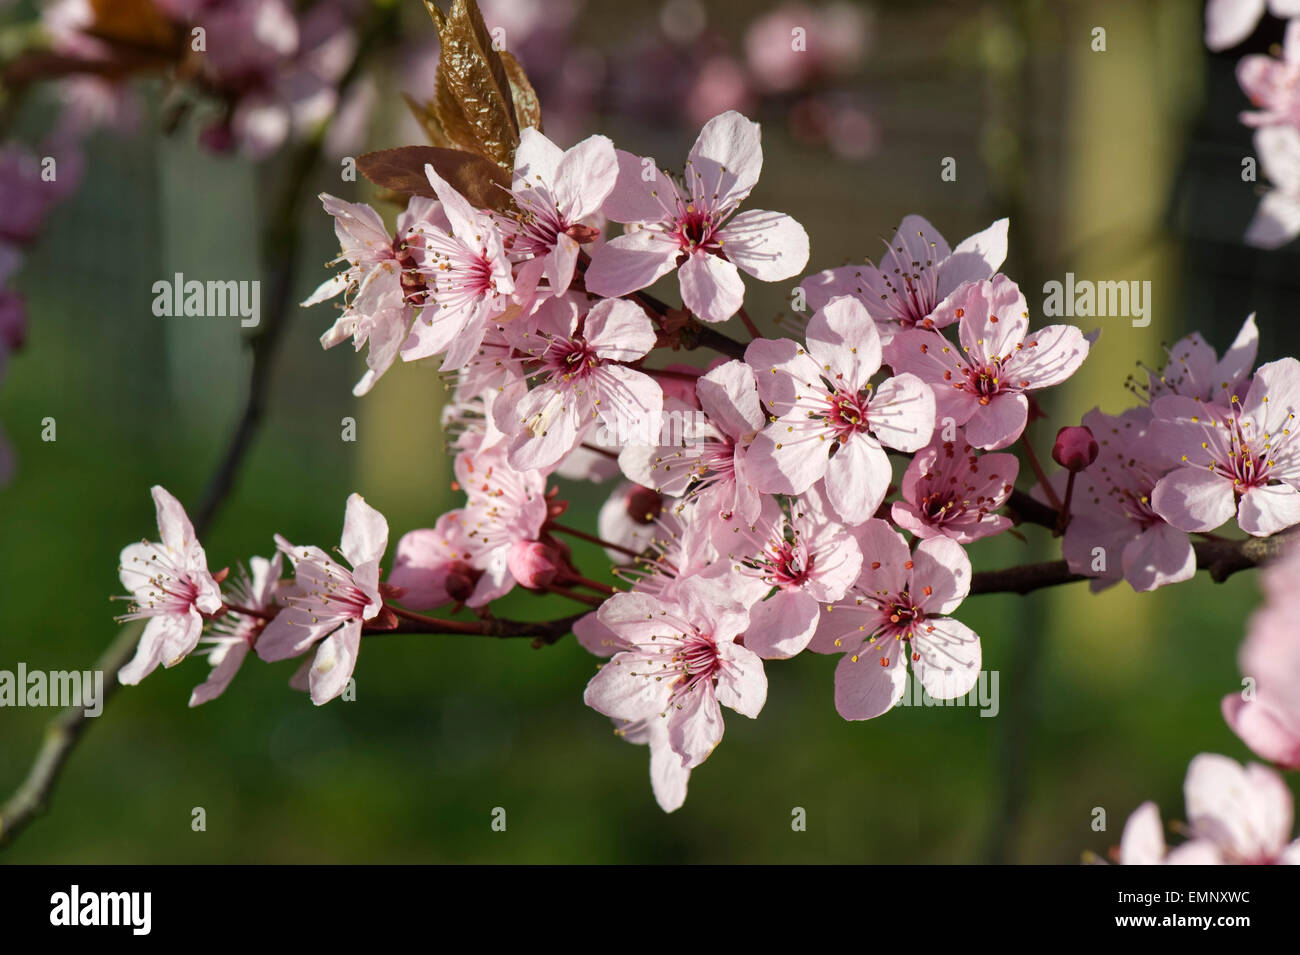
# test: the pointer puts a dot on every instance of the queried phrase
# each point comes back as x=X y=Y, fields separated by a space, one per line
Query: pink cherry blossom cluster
x=1212 y=440
x=760 y=529
x=1273 y=86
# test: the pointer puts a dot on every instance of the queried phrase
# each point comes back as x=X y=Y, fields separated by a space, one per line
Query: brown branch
x=543 y=633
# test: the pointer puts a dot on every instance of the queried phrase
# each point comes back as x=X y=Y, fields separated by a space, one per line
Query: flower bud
x=1075 y=448
x=533 y=564
x=461 y=581
x=643 y=504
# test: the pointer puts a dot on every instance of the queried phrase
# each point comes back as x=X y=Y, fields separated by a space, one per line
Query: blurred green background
x=1116 y=165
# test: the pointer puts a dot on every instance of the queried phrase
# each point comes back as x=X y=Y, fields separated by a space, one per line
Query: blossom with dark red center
x=917 y=272
x=681 y=661
x=327 y=604
x=807 y=557
x=707 y=461
x=466 y=276
x=983 y=384
x=557 y=193
x=695 y=228
x=949 y=489
x=895 y=614
x=1244 y=460
x=170 y=588
x=823 y=401
x=580 y=360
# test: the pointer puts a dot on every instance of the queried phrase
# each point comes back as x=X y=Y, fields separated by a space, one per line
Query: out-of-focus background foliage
x=1123 y=164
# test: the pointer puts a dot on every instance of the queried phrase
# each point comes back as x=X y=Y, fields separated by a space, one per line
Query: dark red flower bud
x=461 y=580
x=644 y=504
x=1075 y=448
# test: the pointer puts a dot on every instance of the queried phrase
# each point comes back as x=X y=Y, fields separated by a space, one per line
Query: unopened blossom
x=468 y=279
x=695 y=228
x=583 y=380
x=380 y=281
x=1235 y=816
x=630 y=518
x=898 y=612
x=435 y=566
x=1266 y=713
x=232 y=635
x=1229 y=22
x=708 y=459
x=822 y=400
x=950 y=489
x=1075 y=447
x=1244 y=460
x=983 y=384
x=682 y=665
x=806 y=558
x=1114 y=529
x=916 y=273
x=557 y=193
x=170 y=588
x=534 y=564
x=328 y=604
x=1195 y=370
x=1277 y=219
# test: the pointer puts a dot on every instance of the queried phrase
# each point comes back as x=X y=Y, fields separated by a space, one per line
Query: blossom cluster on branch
x=754 y=511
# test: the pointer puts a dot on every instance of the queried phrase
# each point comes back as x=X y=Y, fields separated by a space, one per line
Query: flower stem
x=1039 y=473
x=593 y=539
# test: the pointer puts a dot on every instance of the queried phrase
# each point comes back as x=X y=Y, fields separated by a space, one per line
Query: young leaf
x=528 y=111
x=480 y=181
x=473 y=79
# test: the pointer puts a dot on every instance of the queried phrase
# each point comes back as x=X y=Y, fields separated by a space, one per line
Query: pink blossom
x=668 y=777
x=1236 y=816
x=170 y=588
x=1266 y=715
x=709 y=461
x=694 y=228
x=1195 y=370
x=328 y=604
x=1143 y=843
x=983 y=384
x=467 y=276
x=504 y=506
x=950 y=490
x=807 y=558
x=898 y=610
x=558 y=192
x=585 y=381
x=1114 y=529
x=917 y=273
x=377 y=310
x=1273 y=85
x=1229 y=22
x=1244 y=460
x=823 y=399
x=1277 y=219
x=435 y=566
x=682 y=662
x=232 y=635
